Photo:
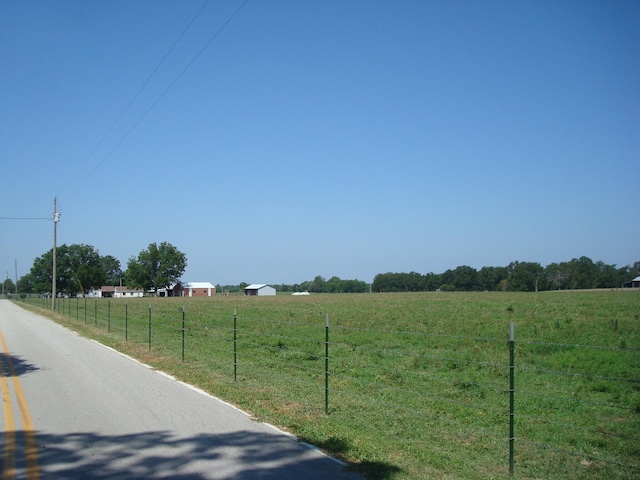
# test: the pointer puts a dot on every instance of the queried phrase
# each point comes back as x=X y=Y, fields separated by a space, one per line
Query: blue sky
x=290 y=139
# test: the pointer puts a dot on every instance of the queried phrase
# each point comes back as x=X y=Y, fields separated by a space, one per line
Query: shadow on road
x=240 y=455
x=20 y=366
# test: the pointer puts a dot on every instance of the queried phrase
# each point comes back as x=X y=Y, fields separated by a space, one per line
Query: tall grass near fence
x=418 y=384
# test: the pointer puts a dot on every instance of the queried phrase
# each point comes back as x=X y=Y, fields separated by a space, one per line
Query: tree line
x=578 y=273
x=81 y=268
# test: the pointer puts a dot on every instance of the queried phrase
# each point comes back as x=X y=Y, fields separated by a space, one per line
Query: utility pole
x=56 y=219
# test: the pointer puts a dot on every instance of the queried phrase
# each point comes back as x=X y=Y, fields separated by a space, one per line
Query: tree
x=465 y=278
x=557 y=276
x=8 y=287
x=112 y=270
x=524 y=276
x=583 y=273
x=607 y=275
x=399 y=282
x=354 y=286
x=75 y=264
x=83 y=266
x=337 y=285
x=432 y=281
x=334 y=285
x=41 y=273
x=490 y=278
x=159 y=266
x=384 y=282
x=25 y=284
x=318 y=285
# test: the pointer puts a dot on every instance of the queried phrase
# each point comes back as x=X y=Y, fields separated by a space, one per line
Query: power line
x=25 y=218
x=161 y=96
x=137 y=94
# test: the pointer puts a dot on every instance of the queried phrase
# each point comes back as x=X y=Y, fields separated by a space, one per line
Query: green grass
x=418 y=384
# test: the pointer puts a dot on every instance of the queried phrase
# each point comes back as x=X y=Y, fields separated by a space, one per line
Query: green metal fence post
x=85 y=309
x=77 y=310
x=512 y=341
x=109 y=316
x=95 y=311
x=126 y=321
x=326 y=364
x=183 y=333
x=235 y=349
x=149 y=327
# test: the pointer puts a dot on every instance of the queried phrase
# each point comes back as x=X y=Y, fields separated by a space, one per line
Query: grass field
x=418 y=384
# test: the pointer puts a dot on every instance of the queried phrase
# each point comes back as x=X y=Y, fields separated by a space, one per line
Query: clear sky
x=290 y=139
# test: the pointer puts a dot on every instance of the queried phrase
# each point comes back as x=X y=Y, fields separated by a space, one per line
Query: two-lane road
x=76 y=409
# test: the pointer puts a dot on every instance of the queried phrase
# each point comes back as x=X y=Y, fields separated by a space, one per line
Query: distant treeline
x=579 y=273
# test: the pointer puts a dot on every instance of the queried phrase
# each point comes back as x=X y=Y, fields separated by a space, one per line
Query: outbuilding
x=198 y=289
x=260 y=290
x=635 y=283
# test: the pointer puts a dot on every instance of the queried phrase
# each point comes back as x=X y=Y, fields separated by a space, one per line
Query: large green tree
x=76 y=265
x=112 y=270
x=159 y=266
x=583 y=273
x=8 y=287
x=524 y=276
x=465 y=278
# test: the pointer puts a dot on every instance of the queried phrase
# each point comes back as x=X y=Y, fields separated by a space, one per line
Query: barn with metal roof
x=259 y=290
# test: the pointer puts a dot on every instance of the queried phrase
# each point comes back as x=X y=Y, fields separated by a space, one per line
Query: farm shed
x=260 y=289
x=198 y=289
x=635 y=283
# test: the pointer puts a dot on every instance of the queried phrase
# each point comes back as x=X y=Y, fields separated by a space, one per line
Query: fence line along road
x=99 y=414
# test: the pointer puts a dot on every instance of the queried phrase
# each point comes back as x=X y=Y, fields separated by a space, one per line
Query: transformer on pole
x=56 y=219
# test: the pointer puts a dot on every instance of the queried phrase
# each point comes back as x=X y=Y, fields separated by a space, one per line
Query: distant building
x=635 y=283
x=109 y=291
x=188 y=289
x=198 y=289
x=260 y=290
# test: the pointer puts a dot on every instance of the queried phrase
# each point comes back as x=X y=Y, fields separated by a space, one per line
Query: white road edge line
x=207 y=394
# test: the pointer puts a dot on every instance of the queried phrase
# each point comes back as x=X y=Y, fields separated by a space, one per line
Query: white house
x=260 y=289
x=188 y=289
x=109 y=291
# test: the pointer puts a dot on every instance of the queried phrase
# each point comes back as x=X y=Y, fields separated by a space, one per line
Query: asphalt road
x=80 y=410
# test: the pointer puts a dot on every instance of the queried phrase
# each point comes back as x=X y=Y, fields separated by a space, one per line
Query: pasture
x=414 y=386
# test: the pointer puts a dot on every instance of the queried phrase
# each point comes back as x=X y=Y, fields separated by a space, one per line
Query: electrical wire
x=137 y=94
x=161 y=96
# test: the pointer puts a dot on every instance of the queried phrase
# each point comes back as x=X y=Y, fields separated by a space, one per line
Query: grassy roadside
x=418 y=382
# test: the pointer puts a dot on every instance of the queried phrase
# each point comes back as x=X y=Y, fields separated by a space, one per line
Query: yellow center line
x=9 y=456
x=30 y=445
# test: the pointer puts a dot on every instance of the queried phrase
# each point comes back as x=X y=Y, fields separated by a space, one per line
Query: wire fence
x=539 y=409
